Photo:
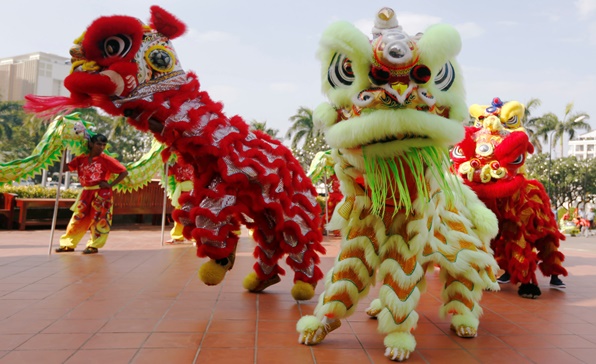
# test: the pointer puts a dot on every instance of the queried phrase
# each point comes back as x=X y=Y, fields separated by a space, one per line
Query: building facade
x=34 y=73
x=584 y=146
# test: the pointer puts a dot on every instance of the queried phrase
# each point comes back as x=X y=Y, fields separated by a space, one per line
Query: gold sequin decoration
x=345 y=209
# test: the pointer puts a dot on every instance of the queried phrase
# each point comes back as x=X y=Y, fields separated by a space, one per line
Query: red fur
x=240 y=176
x=104 y=26
x=166 y=23
x=528 y=235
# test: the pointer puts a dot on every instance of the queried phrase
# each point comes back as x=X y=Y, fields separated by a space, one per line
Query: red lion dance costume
x=490 y=160
x=241 y=176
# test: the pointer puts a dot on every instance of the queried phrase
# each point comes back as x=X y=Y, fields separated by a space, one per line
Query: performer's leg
x=402 y=279
x=101 y=224
x=266 y=270
x=176 y=234
x=348 y=281
x=78 y=224
x=461 y=298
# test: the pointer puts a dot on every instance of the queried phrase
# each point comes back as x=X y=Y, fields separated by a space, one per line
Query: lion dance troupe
x=417 y=189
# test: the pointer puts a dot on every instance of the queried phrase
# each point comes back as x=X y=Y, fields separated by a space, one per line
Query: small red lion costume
x=491 y=160
x=241 y=176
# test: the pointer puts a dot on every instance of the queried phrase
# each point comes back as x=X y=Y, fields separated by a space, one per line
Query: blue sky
x=258 y=56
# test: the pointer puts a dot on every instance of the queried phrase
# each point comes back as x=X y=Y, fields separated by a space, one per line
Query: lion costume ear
x=166 y=23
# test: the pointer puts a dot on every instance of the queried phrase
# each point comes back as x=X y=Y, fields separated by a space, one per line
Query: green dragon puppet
x=71 y=132
x=491 y=160
x=396 y=106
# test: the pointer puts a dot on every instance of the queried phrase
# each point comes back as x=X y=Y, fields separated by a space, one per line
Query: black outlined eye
x=445 y=77
x=457 y=152
x=512 y=121
x=518 y=160
x=117 y=45
x=340 y=71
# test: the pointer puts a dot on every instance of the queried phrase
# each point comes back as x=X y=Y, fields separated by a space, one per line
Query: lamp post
x=550 y=160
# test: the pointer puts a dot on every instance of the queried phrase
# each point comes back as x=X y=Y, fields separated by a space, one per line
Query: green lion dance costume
x=396 y=105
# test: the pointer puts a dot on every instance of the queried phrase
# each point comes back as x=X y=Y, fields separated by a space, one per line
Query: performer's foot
x=64 y=249
x=529 y=290
x=504 y=278
x=214 y=271
x=175 y=241
x=556 y=283
x=90 y=250
x=253 y=284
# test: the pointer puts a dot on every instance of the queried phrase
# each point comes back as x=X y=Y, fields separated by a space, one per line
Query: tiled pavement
x=140 y=302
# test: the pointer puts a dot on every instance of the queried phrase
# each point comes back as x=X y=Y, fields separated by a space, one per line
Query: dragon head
x=118 y=59
x=391 y=93
x=491 y=158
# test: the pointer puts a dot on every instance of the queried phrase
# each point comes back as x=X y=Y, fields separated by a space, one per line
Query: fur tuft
x=308 y=323
x=251 y=281
x=212 y=273
x=303 y=291
x=166 y=23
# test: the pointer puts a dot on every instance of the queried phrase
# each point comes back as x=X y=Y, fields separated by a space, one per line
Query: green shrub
x=38 y=191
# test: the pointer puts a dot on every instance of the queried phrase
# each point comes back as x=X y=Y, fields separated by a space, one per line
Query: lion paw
x=465 y=331
x=312 y=331
x=375 y=308
x=397 y=354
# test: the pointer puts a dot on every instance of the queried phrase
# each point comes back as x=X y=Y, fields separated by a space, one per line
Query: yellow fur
x=212 y=273
x=302 y=291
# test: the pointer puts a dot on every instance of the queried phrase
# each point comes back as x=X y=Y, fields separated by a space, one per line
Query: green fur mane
x=386 y=178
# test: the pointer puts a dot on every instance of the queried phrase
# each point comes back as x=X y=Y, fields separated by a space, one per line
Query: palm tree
x=302 y=129
x=262 y=126
x=11 y=116
x=571 y=122
x=529 y=124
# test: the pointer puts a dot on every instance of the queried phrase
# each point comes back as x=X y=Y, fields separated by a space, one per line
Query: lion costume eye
x=340 y=71
x=117 y=45
x=456 y=152
x=445 y=77
x=512 y=121
x=518 y=160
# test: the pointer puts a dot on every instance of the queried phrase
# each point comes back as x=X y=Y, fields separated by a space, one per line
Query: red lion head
x=119 y=59
x=491 y=159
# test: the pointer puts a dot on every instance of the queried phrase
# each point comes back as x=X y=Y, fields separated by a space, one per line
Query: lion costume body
x=240 y=176
x=491 y=160
x=396 y=105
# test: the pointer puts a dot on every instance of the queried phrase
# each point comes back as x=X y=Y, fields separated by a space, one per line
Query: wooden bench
x=145 y=201
x=26 y=204
x=7 y=205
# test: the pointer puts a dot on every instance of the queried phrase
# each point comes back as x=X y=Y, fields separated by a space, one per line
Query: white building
x=584 y=146
x=35 y=73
